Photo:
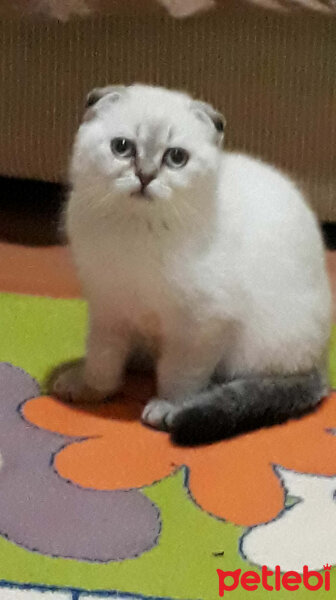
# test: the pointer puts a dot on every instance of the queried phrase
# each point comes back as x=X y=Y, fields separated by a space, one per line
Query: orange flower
x=233 y=479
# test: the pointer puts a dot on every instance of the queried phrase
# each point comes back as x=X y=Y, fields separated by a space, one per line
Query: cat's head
x=148 y=144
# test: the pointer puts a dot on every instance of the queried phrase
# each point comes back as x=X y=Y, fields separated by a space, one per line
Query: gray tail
x=226 y=410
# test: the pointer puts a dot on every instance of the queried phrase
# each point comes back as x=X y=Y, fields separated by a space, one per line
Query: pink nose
x=145 y=178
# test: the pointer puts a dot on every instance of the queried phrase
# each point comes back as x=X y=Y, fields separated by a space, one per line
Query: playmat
x=95 y=505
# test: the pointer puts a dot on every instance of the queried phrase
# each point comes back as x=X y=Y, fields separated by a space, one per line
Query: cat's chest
x=141 y=279
x=139 y=283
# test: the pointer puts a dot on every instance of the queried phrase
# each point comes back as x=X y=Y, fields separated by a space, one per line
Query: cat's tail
x=228 y=409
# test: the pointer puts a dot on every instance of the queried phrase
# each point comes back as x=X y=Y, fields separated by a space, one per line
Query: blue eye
x=123 y=148
x=175 y=158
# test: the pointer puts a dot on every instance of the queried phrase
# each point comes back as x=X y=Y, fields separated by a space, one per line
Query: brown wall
x=273 y=76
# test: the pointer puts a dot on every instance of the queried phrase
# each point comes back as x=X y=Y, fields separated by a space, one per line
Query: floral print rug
x=95 y=505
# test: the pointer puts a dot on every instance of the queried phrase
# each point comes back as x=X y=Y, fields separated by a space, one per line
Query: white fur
x=223 y=269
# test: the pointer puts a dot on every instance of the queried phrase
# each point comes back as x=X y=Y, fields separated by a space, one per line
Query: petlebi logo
x=228 y=581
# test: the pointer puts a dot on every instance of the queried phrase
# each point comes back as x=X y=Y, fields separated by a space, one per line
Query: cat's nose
x=145 y=178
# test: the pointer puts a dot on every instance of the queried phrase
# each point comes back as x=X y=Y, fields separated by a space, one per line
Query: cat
x=208 y=262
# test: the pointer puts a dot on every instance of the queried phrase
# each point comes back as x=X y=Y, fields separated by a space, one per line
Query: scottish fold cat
x=208 y=263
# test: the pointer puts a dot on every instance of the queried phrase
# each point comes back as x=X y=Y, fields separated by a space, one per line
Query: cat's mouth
x=142 y=194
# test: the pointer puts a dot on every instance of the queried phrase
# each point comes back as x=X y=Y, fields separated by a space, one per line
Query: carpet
x=95 y=505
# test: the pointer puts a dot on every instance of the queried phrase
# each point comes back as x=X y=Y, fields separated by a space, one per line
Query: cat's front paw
x=69 y=385
x=159 y=414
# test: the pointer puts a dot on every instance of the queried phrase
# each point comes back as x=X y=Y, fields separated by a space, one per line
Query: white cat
x=211 y=262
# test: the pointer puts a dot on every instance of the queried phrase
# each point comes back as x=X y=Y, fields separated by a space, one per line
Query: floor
x=33 y=259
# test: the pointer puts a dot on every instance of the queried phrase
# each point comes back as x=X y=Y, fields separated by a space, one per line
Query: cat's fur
x=218 y=272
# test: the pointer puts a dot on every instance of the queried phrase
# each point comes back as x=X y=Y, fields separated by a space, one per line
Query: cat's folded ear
x=112 y=93
x=209 y=115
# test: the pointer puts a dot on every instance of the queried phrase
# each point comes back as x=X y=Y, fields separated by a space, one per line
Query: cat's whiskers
x=176 y=213
x=195 y=216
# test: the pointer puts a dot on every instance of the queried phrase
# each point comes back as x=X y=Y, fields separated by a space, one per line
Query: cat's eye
x=175 y=158
x=122 y=147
